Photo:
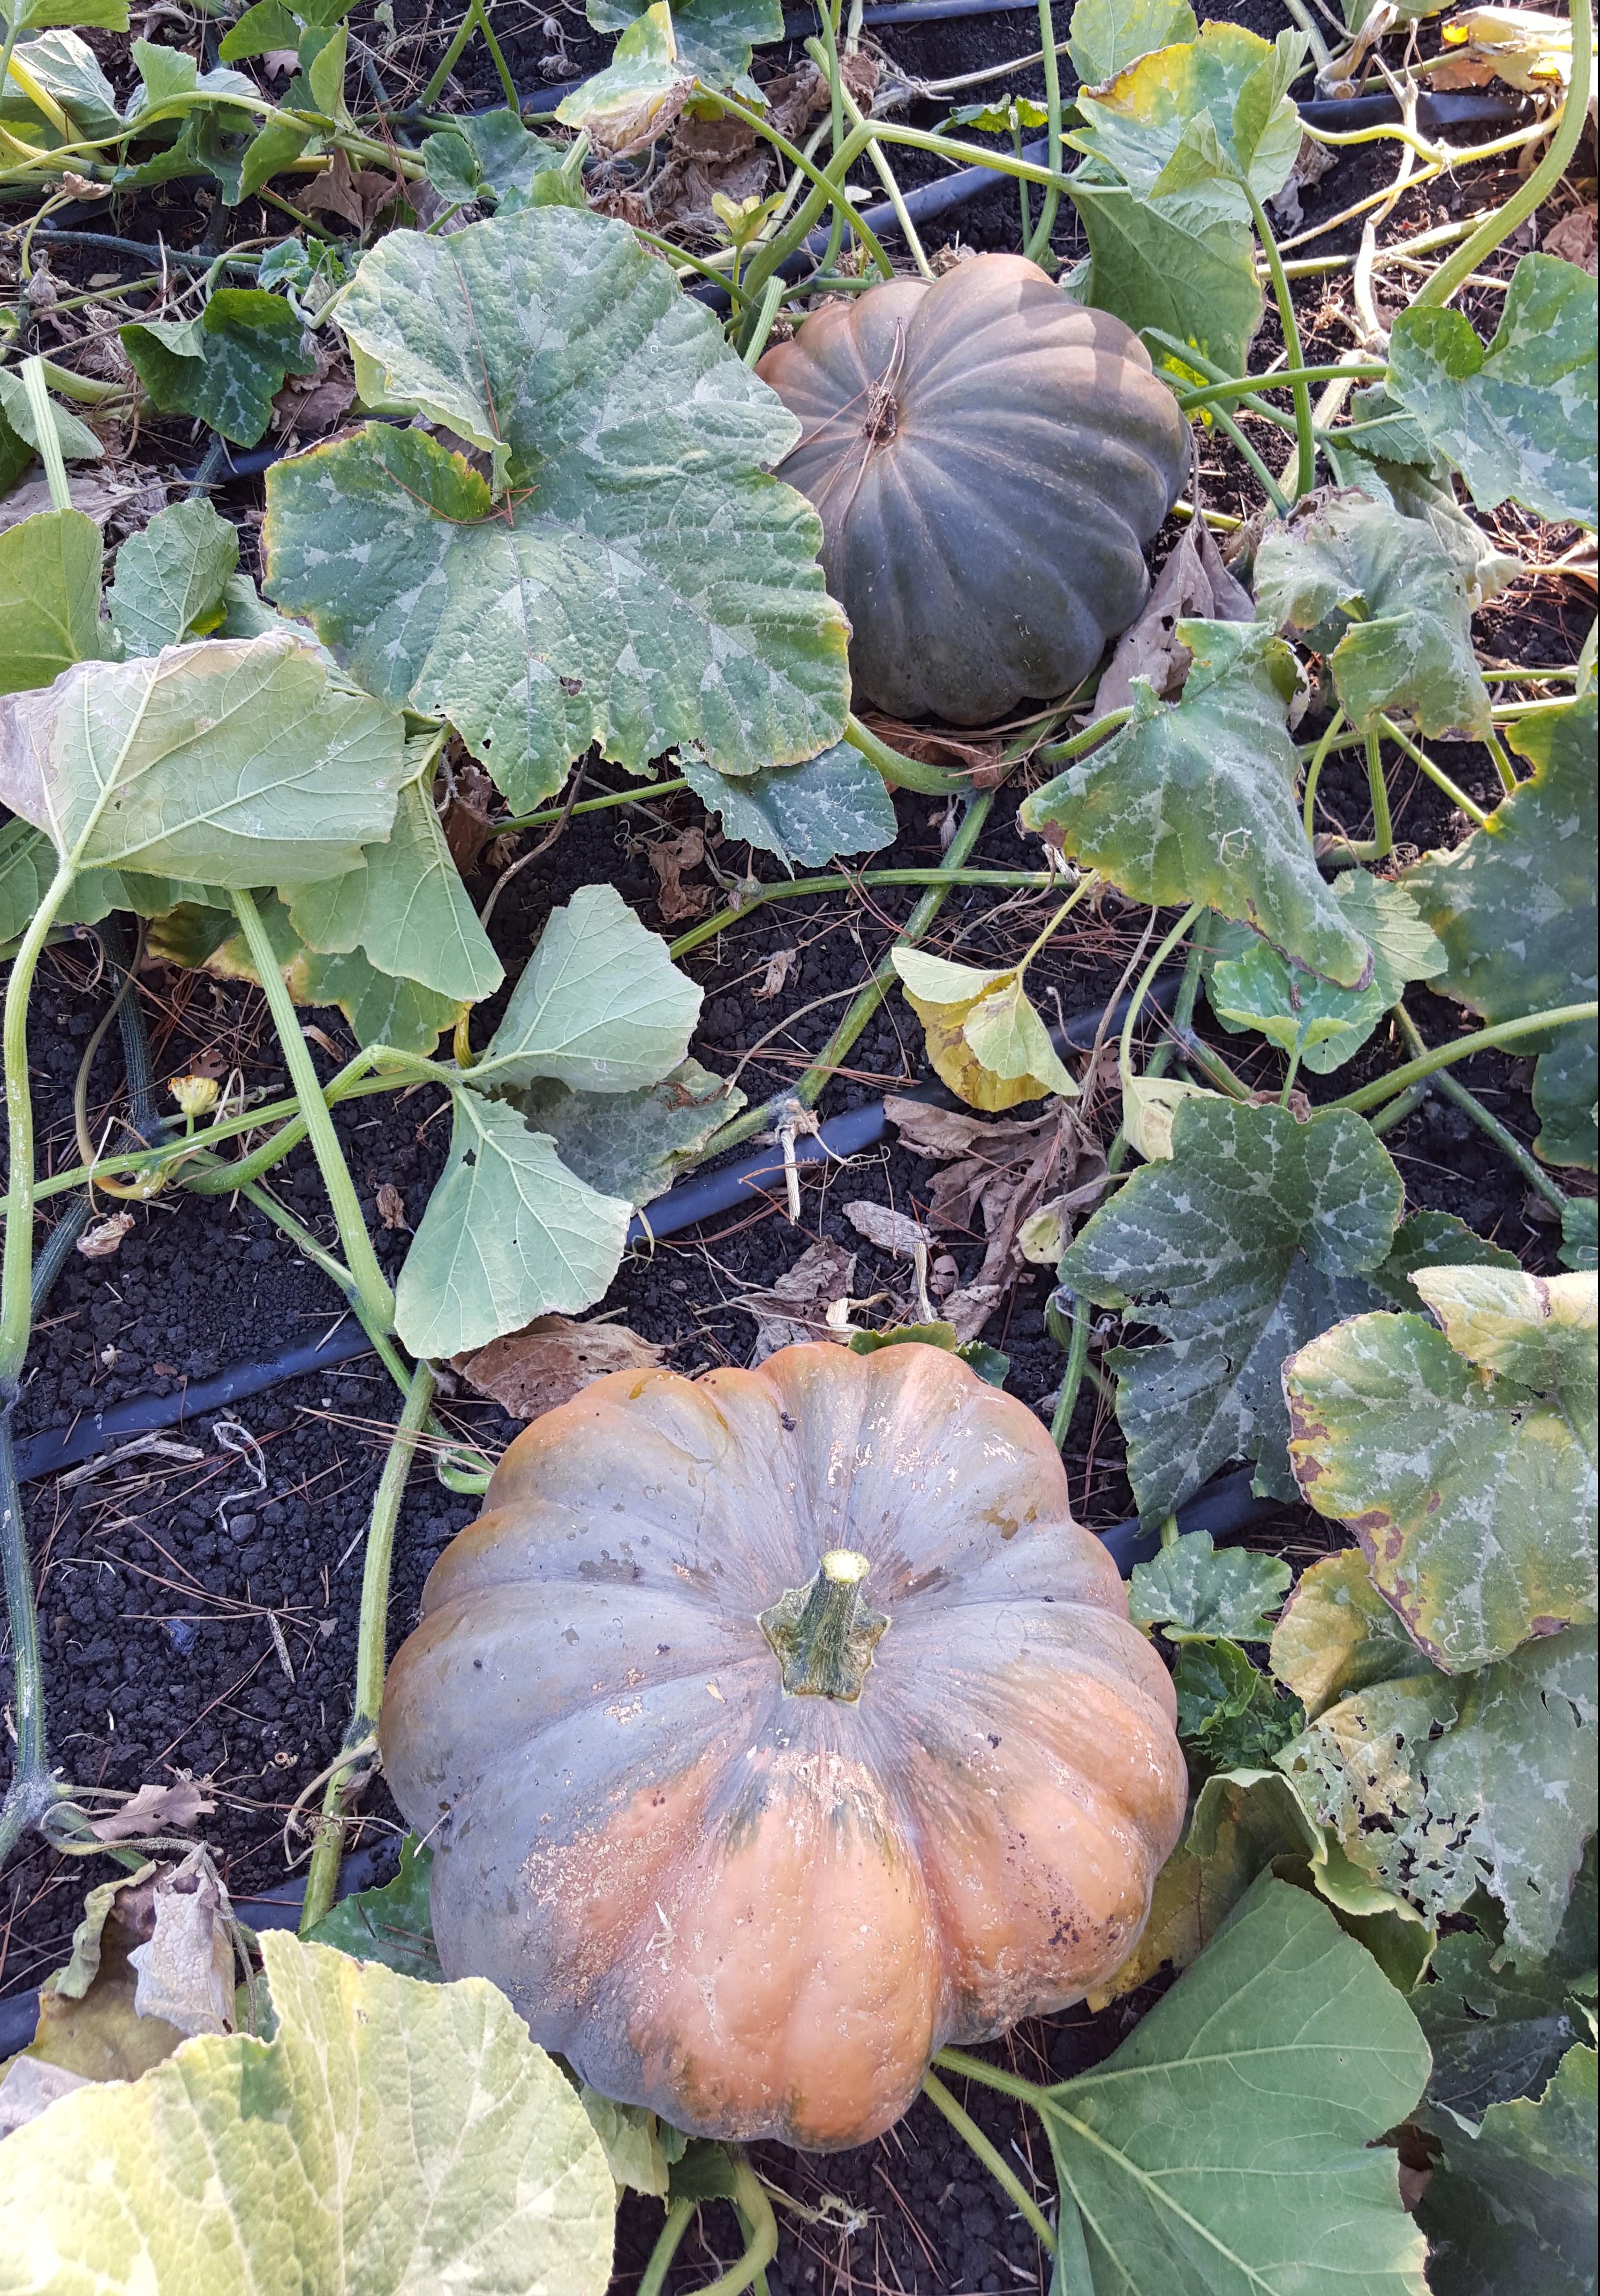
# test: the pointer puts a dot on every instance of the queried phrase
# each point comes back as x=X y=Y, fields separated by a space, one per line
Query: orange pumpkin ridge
x=760 y=1912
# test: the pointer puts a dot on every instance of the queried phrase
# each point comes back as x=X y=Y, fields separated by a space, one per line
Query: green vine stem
x=967 y=2129
x=1189 y=919
x=1443 y=1056
x=1240 y=385
x=1529 y=196
x=1071 y=1383
x=1436 y=774
x=371 y=1646
x=16 y=1275
x=781 y=888
x=363 y=1260
x=1382 y=828
x=822 y=181
x=897 y=770
x=680 y=2215
x=1319 y=756
x=31 y=1791
x=1490 y=1125
x=1269 y=486
x=1305 y=469
x=1039 y=245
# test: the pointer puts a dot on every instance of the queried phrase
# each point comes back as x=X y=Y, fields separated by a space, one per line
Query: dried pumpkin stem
x=823 y=1635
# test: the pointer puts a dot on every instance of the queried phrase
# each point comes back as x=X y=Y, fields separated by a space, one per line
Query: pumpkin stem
x=823 y=1634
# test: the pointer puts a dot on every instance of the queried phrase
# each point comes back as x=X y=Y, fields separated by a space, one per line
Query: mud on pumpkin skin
x=759 y=1910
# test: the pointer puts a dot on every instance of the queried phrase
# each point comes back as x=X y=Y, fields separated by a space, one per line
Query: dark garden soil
x=199 y=1613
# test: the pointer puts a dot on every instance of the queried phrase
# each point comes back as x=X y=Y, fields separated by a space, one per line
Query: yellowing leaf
x=984 y=1039
x=1149 y=1104
x=393 y=2136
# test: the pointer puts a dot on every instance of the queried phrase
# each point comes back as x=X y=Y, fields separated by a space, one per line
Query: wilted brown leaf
x=391 y=1206
x=87 y=2023
x=104 y=1236
x=889 y=1231
x=780 y=964
x=1195 y=584
x=156 y=1809
x=1573 y=238
x=530 y=1372
x=669 y=857
x=359 y=199
x=185 y=1967
x=796 y=1307
x=469 y=794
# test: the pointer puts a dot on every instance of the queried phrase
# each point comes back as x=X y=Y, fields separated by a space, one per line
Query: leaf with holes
x=1516 y=420
x=1256 y=1234
x=1439 y=1785
x=226 y=366
x=1514 y=906
x=1273 y=2066
x=1389 y=604
x=644 y=582
x=1190 y=1589
x=1195 y=801
x=1512 y=2204
x=1464 y=1458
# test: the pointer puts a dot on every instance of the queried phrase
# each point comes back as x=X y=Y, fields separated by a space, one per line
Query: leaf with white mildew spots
x=1462 y=1458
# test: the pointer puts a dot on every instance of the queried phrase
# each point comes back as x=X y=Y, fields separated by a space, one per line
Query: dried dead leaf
x=391 y=1206
x=1573 y=238
x=795 y=1307
x=360 y=199
x=970 y=1307
x=530 y=1372
x=185 y=1969
x=669 y=857
x=157 y=1809
x=102 y=494
x=981 y=759
x=780 y=964
x=468 y=795
x=104 y=1236
x=889 y=1231
x=1194 y=585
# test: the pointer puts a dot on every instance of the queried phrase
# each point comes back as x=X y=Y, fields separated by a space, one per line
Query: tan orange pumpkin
x=774 y=1729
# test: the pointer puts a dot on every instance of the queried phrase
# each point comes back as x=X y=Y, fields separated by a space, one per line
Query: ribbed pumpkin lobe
x=823 y=1635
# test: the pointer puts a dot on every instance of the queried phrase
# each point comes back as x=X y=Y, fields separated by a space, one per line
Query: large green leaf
x=1463 y=1459
x=1188 y=127
x=1518 y=419
x=382 y=1008
x=1429 y=1240
x=714 y=36
x=66 y=69
x=1512 y=2206
x=600 y=1004
x=1195 y=801
x=235 y=762
x=406 y=908
x=393 y=2136
x=1190 y=1589
x=1386 y=602
x=1514 y=906
x=1150 y=270
x=171 y=575
x=509 y=1233
x=1108 y=35
x=1230 y=2144
x=1252 y=987
x=632 y=1144
x=1438 y=1785
x=228 y=366
x=1496 y=2032
x=492 y=157
x=1255 y=1235
x=643 y=583
x=834 y=803
x=35 y=15
x=49 y=597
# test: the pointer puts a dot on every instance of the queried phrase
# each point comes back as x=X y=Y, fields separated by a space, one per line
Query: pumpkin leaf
x=405 y=908
x=643 y=583
x=49 y=597
x=714 y=37
x=1511 y=2205
x=1495 y=2032
x=1515 y=908
x=77 y=441
x=491 y=156
x=393 y=1924
x=66 y=69
x=1301 y=1014
x=600 y=1006
x=640 y=2150
x=984 y=1039
x=1149 y=1104
x=1189 y=126
x=509 y=1233
x=1195 y=801
x=1429 y=1240
x=632 y=1144
x=1473 y=1496
x=226 y=366
x=1337 y=1635
x=834 y=803
x=1256 y=1234
x=1230 y=1716
x=1154 y=271
x=336 y=2147
x=382 y=1008
x=1281 y=2055
x=1386 y=602
x=639 y=95
x=1109 y=35
x=1008 y=117
x=1513 y=418
x=35 y=15
x=171 y=576
x=228 y=762
x=1438 y=1784
x=1190 y=1589
x=1579 y=1232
